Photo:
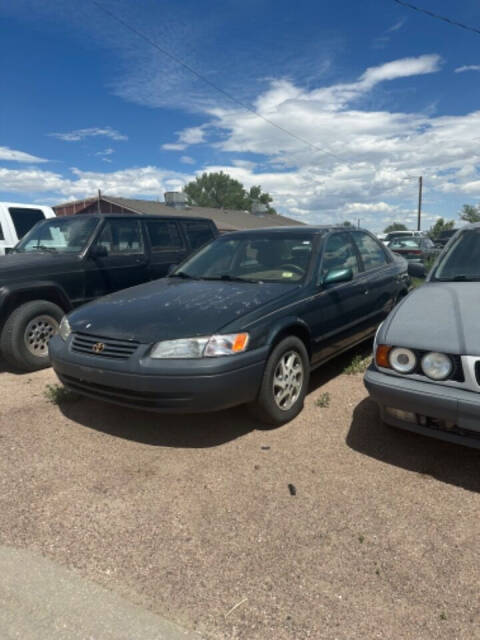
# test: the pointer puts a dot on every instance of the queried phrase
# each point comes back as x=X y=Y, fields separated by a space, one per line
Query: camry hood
x=438 y=316
x=173 y=308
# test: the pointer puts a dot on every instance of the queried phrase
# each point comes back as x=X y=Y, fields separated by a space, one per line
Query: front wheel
x=284 y=384
x=27 y=332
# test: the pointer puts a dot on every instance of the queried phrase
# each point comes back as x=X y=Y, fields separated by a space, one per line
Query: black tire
x=266 y=408
x=40 y=318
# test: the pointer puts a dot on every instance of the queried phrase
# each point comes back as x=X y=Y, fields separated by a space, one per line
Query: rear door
x=379 y=279
x=335 y=312
x=125 y=264
x=198 y=233
x=167 y=246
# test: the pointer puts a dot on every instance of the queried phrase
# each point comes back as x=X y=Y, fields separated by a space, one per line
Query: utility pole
x=420 y=187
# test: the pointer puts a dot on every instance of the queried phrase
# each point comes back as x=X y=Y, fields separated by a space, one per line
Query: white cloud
x=468 y=67
x=187 y=160
x=400 y=69
x=92 y=132
x=105 y=152
x=187 y=137
x=173 y=146
x=398 y=25
x=12 y=155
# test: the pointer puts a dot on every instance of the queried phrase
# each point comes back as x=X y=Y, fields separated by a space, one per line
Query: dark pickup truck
x=65 y=262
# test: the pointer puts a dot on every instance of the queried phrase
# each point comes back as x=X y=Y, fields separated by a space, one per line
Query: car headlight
x=64 y=329
x=402 y=360
x=436 y=366
x=207 y=347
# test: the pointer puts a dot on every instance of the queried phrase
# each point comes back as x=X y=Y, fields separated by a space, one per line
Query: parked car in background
x=426 y=370
x=417 y=249
x=444 y=236
x=64 y=262
x=393 y=235
x=17 y=219
x=243 y=321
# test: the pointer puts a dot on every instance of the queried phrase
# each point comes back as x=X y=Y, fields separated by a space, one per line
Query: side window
x=2 y=235
x=164 y=235
x=372 y=253
x=121 y=237
x=24 y=219
x=199 y=233
x=338 y=253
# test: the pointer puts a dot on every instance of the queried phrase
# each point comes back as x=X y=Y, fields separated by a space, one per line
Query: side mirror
x=335 y=276
x=98 y=251
x=171 y=268
x=417 y=270
x=8 y=250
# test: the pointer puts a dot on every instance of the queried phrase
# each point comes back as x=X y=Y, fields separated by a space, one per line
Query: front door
x=125 y=263
x=335 y=312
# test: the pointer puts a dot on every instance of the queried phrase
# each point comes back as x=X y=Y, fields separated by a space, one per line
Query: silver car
x=425 y=374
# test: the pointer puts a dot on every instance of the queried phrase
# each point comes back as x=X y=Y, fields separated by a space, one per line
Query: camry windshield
x=462 y=260
x=58 y=235
x=259 y=258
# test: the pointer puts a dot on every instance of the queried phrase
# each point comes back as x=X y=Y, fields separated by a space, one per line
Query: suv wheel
x=284 y=384
x=26 y=333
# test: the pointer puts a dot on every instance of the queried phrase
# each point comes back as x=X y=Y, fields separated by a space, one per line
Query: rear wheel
x=284 y=384
x=27 y=332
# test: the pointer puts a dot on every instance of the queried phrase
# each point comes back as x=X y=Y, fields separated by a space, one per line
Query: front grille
x=103 y=347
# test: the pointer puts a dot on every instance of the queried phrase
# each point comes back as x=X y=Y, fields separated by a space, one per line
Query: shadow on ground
x=443 y=461
x=160 y=430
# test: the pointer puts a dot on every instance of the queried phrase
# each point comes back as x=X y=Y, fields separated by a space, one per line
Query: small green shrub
x=359 y=364
x=58 y=394
x=323 y=400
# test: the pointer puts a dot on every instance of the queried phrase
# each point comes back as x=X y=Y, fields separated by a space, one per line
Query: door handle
x=366 y=292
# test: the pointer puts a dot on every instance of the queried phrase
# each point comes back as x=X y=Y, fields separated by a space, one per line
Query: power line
x=201 y=77
x=450 y=21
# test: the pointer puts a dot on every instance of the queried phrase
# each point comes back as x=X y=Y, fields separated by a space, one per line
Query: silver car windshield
x=58 y=235
x=462 y=260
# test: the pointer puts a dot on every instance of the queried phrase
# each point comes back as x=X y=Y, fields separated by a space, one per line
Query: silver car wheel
x=38 y=333
x=288 y=380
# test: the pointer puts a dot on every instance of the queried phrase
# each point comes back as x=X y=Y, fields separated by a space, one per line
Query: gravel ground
x=190 y=516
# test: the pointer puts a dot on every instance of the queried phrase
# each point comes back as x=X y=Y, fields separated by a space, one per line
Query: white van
x=16 y=219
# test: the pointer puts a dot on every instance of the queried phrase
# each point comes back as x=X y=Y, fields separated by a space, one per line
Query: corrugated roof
x=225 y=219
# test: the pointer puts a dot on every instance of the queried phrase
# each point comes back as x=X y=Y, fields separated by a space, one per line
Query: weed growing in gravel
x=361 y=539
x=57 y=394
x=443 y=616
x=359 y=364
x=323 y=400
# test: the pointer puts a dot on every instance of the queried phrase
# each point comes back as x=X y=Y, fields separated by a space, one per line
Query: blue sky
x=383 y=93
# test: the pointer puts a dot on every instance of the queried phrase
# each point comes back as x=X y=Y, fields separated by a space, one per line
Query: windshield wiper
x=41 y=247
x=182 y=274
x=230 y=278
x=459 y=278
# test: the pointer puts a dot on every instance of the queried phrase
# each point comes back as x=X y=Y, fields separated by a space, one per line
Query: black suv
x=64 y=262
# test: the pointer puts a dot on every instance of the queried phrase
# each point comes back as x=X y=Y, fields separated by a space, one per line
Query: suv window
x=120 y=237
x=164 y=235
x=371 y=250
x=2 y=236
x=199 y=233
x=24 y=219
x=339 y=253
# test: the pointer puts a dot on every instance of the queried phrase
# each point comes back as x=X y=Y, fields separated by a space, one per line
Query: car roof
x=301 y=229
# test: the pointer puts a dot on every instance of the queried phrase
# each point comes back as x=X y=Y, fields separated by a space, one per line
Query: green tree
x=439 y=226
x=470 y=213
x=220 y=191
x=347 y=223
x=395 y=226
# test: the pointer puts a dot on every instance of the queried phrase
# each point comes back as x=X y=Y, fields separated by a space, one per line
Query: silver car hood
x=438 y=316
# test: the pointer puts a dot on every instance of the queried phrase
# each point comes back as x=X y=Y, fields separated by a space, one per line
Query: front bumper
x=439 y=411
x=176 y=386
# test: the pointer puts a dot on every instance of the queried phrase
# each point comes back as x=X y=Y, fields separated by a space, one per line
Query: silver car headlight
x=64 y=329
x=205 y=347
x=402 y=360
x=437 y=366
